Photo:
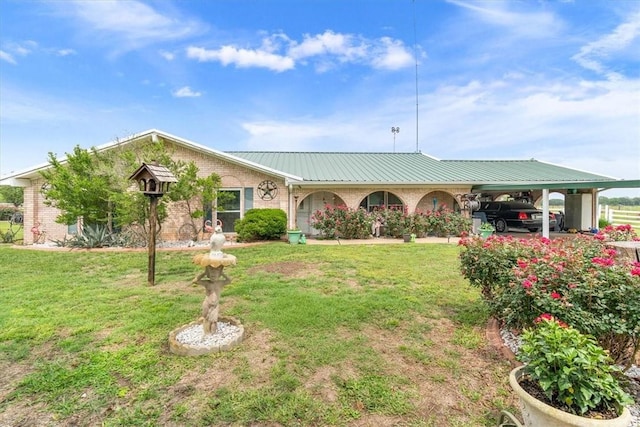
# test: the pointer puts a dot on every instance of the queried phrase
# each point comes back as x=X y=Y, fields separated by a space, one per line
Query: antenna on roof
x=394 y=131
x=415 y=54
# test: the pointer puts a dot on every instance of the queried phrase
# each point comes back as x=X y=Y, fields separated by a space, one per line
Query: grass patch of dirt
x=367 y=339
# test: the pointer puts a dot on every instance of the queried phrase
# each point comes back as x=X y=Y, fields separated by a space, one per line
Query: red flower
x=555 y=295
x=605 y=262
x=611 y=252
x=522 y=264
x=543 y=316
x=549 y=318
x=526 y=284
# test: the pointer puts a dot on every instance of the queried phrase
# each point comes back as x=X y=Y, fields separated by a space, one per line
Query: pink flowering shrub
x=346 y=223
x=580 y=281
x=487 y=263
x=617 y=233
x=341 y=221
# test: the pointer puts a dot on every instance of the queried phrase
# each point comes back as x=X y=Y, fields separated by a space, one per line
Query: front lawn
x=16 y=230
x=335 y=335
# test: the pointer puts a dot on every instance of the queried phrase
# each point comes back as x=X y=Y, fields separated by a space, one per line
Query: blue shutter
x=248 y=198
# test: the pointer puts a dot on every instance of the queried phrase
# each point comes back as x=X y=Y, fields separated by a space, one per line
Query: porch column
x=545 y=212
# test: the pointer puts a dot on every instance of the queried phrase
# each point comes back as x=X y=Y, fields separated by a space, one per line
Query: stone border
x=493 y=336
x=181 y=349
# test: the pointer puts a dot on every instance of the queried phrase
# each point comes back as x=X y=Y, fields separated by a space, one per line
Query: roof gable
x=21 y=178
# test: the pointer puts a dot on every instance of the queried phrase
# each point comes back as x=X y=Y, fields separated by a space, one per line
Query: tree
x=13 y=195
x=194 y=191
x=81 y=187
x=95 y=185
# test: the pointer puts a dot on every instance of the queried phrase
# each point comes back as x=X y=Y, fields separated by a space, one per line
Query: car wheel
x=501 y=226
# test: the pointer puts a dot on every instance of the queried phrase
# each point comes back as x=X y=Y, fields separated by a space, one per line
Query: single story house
x=301 y=182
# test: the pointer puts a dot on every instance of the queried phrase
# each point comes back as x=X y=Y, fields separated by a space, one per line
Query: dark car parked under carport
x=504 y=215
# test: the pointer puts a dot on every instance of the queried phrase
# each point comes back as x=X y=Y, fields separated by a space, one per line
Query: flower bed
x=580 y=281
x=347 y=223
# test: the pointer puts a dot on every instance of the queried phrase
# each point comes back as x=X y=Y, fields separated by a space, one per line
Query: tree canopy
x=95 y=185
x=13 y=195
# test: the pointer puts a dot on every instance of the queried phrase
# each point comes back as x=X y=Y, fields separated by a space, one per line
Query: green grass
x=16 y=229
x=334 y=334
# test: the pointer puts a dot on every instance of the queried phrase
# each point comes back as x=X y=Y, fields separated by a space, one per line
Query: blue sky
x=558 y=81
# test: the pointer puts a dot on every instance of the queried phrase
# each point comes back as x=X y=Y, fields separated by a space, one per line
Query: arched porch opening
x=557 y=212
x=437 y=199
x=311 y=203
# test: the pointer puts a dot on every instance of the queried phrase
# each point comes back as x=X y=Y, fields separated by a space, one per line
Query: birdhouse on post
x=153 y=180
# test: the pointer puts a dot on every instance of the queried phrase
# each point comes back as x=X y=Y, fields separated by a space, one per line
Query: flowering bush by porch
x=347 y=223
x=580 y=280
x=341 y=221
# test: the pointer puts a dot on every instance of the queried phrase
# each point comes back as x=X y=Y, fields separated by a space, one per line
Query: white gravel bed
x=513 y=341
x=194 y=335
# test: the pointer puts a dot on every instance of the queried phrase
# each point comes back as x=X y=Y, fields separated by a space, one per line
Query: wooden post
x=151 y=275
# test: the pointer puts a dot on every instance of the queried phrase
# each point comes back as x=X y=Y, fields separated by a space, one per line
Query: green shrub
x=573 y=371
x=602 y=223
x=97 y=236
x=578 y=280
x=261 y=224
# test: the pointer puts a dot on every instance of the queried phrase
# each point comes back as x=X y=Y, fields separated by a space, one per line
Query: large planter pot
x=294 y=236
x=536 y=413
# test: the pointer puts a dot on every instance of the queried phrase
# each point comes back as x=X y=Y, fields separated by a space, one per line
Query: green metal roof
x=350 y=167
x=412 y=168
x=519 y=171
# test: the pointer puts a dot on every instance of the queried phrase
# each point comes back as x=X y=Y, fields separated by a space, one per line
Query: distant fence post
x=620 y=217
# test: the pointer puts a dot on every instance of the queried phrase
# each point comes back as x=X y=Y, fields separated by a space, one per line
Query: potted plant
x=486 y=229
x=294 y=235
x=408 y=236
x=567 y=379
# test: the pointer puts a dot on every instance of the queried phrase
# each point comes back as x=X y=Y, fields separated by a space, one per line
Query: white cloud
x=241 y=58
x=127 y=24
x=6 y=56
x=26 y=106
x=169 y=56
x=580 y=124
x=532 y=25
x=592 y=55
x=346 y=47
x=11 y=50
x=65 y=52
x=325 y=51
x=186 y=92
x=392 y=55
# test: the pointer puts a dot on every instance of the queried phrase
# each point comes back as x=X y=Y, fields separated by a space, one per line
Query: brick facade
x=243 y=176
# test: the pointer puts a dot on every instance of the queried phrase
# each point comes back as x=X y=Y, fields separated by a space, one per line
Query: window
x=229 y=209
x=232 y=204
x=381 y=199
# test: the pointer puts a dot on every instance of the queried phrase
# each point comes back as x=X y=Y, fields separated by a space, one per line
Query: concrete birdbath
x=210 y=333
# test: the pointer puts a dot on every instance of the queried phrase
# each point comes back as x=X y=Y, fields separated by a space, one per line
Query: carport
x=581 y=198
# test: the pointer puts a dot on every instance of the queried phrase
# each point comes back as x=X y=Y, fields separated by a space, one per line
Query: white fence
x=619 y=217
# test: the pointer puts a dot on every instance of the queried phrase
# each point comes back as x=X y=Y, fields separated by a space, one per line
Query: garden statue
x=213 y=279
x=210 y=333
x=216 y=241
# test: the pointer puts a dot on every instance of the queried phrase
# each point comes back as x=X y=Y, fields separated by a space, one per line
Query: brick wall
x=235 y=176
